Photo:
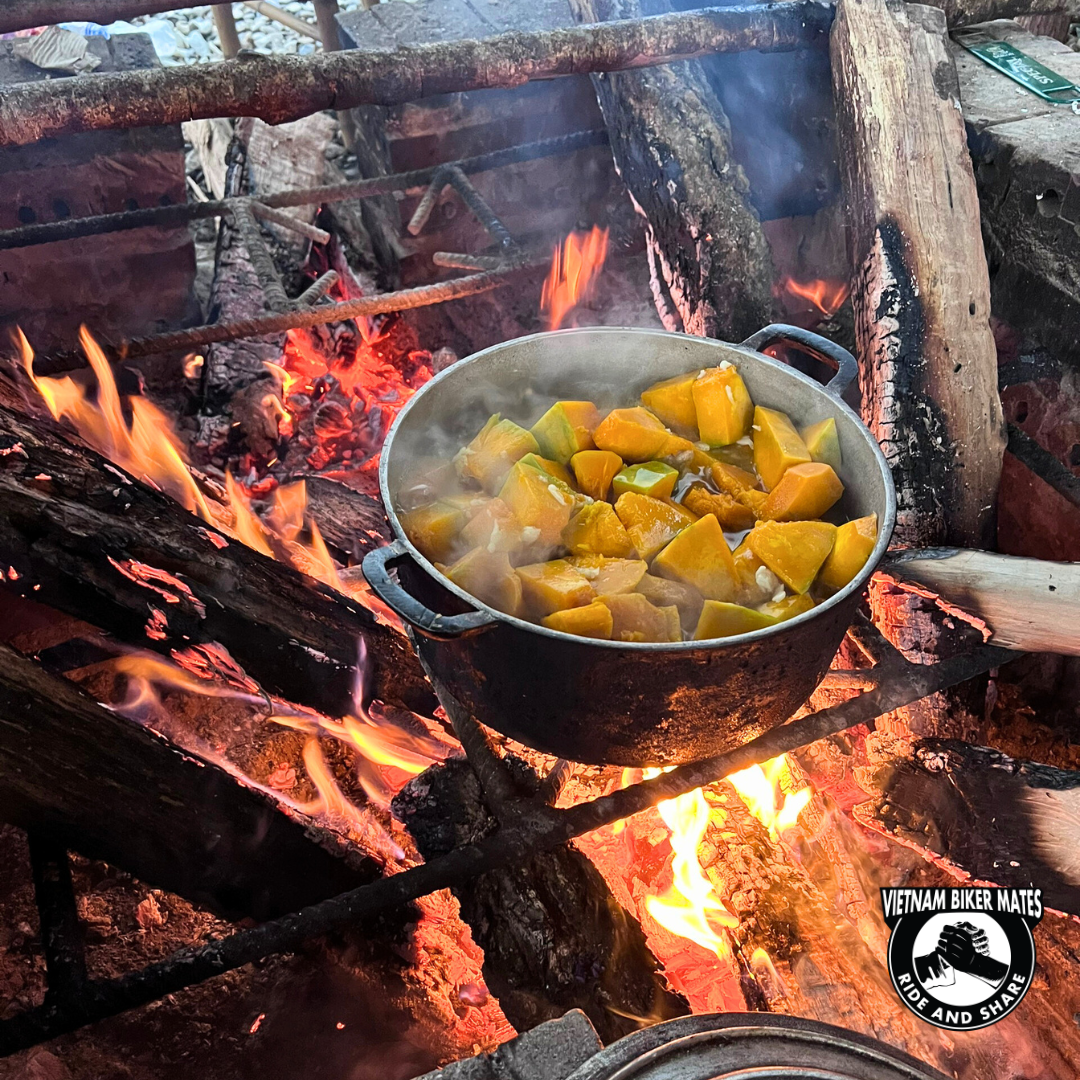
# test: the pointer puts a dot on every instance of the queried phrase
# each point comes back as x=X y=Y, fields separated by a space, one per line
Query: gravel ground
x=197 y=42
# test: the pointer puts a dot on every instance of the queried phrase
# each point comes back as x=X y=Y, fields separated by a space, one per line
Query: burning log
x=82 y=536
x=709 y=261
x=553 y=936
x=91 y=779
x=281 y=88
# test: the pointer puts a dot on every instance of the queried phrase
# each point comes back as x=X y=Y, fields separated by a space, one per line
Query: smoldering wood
x=281 y=88
x=553 y=937
x=921 y=290
x=70 y=521
x=710 y=267
x=987 y=815
x=105 y=786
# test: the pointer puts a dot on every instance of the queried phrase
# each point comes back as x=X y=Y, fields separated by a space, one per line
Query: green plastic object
x=1030 y=74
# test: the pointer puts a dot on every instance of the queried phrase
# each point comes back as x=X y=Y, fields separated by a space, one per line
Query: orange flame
x=761 y=789
x=575 y=267
x=826 y=296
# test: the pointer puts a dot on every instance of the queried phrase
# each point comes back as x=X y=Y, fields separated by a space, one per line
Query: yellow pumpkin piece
x=777 y=446
x=554 y=586
x=732 y=515
x=804 y=492
x=651 y=523
x=565 y=429
x=724 y=408
x=652 y=478
x=494 y=528
x=700 y=556
x=594 y=470
x=673 y=401
x=609 y=575
x=636 y=435
x=552 y=468
x=538 y=501
x=788 y=607
x=490 y=455
x=596 y=530
x=635 y=619
x=663 y=592
x=719 y=619
x=489 y=577
x=757 y=583
x=854 y=542
x=793 y=550
x=592 y=620
x=732 y=480
x=434 y=529
x=823 y=442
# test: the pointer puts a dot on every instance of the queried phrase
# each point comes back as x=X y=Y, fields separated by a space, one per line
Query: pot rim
x=886 y=523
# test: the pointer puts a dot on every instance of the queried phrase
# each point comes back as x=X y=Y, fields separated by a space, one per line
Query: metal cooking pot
x=611 y=702
x=750 y=1046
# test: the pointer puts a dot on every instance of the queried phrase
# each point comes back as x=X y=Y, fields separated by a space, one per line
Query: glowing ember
x=761 y=788
x=575 y=267
x=826 y=296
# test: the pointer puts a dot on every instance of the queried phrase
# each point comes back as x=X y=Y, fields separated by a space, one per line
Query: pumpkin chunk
x=725 y=620
x=673 y=401
x=636 y=435
x=663 y=592
x=788 y=607
x=594 y=471
x=732 y=480
x=731 y=514
x=490 y=455
x=804 y=492
x=609 y=575
x=552 y=468
x=494 y=528
x=854 y=542
x=652 y=478
x=777 y=446
x=434 y=529
x=739 y=454
x=489 y=577
x=793 y=550
x=724 y=408
x=597 y=530
x=538 y=501
x=757 y=583
x=565 y=429
x=700 y=556
x=554 y=586
x=635 y=619
x=592 y=620
x=651 y=523
x=823 y=442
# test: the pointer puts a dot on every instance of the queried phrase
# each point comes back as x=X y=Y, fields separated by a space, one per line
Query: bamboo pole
x=298 y=26
x=225 y=24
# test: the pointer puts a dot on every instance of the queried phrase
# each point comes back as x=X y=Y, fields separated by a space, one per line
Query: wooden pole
x=225 y=23
x=297 y=26
x=325 y=14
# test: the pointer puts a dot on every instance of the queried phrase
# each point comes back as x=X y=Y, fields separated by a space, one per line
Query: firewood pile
x=240 y=812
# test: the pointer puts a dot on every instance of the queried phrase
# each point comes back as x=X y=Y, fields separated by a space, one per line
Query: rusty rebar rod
x=543 y=829
x=281 y=88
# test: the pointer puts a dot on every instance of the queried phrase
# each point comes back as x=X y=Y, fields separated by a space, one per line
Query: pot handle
x=847 y=367
x=429 y=623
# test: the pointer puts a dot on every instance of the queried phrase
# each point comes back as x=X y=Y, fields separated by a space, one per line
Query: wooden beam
x=225 y=24
x=710 y=266
x=280 y=88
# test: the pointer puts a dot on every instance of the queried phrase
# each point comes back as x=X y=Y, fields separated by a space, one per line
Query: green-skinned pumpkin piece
x=492 y=453
x=594 y=471
x=723 y=405
x=719 y=619
x=823 y=441
x=700 y=556
x=597 y=530
x=793 y=550
x=565 y=429
x=652 y=478
x=553 y=468
x=672 y=400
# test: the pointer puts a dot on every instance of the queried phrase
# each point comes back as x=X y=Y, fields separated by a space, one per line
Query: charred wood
x=108 y=788
x=553 y=937
x=82 y=536
x=710 y=267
